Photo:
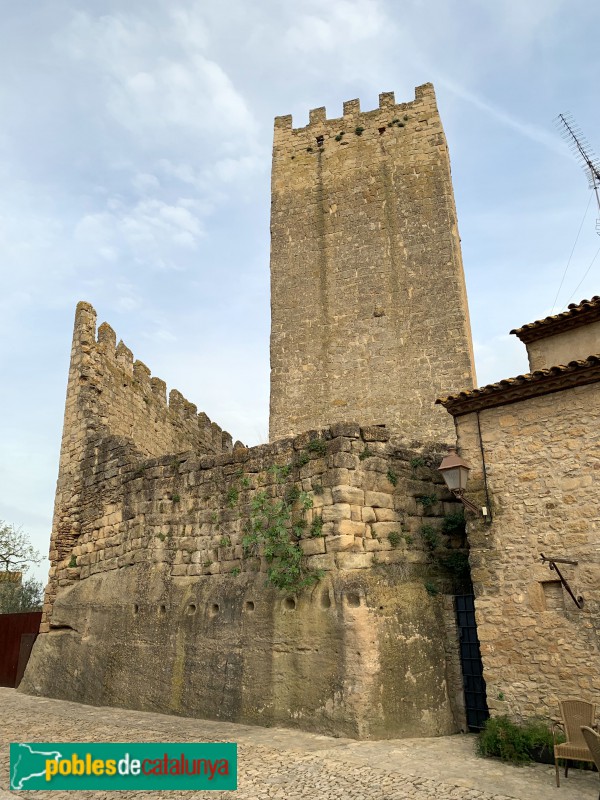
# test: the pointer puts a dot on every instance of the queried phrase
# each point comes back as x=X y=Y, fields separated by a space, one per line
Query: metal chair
x=592 y=739
x=575 y=714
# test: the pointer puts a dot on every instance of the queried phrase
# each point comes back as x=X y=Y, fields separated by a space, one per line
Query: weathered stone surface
x=543 y=473
x=355 y=270
x=165 y=598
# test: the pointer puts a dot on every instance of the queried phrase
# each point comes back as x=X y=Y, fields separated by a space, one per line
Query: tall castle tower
x=369 y=309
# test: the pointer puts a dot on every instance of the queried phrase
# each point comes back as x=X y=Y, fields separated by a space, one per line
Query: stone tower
x=369 y=310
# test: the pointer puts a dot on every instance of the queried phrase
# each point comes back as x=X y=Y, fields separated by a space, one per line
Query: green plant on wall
x=232 y=497
x=454 y=523
x=430 y=536
x=318 y=446
x=392 y=477
x=273 y=528
x=427 y=501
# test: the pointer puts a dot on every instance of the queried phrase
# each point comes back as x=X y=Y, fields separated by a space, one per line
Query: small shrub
x=392 y=477
x=431 y=589
x=316 y=527
x=417 y=462
x=318 y=489
x=338 y=138
x=394 y=538
x=225 y=541
x=454 y=523
x=232 y=497
x=235 y=571
x=301 y=459
x=73 y=561
x=359 y=131
x=519 y=744
x=366 y=453
x=140 y=470
x=309 y=149
x=318 y=446
x=292 y=494
x=408 y=538
x=427 y=501
x=457 y=564
x=175 y=498
x=245 y=483
x=430 y=536
x=207 y=564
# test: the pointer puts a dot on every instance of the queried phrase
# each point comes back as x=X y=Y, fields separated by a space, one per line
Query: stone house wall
x=369 y=309
x=563 y=347
x=542 y=458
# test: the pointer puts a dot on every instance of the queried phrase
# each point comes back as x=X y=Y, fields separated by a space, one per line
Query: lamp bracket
x=458 y=493
x=552 y=562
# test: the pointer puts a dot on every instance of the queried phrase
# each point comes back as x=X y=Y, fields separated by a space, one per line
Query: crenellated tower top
x=369 y=308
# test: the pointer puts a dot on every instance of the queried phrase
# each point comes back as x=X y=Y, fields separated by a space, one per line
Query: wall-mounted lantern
x=455 y=472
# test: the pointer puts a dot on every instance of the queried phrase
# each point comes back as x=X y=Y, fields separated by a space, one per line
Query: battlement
x=127 y=384
x=364 y=243
x=352 y=118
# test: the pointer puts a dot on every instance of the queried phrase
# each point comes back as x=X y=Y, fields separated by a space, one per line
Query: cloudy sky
x=135 y=152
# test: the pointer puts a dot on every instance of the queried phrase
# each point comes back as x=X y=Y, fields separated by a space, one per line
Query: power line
x=585 y=275
x=572 y=251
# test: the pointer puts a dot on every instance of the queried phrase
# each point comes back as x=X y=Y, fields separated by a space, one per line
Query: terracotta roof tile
x=576 y=315
x=512 y=390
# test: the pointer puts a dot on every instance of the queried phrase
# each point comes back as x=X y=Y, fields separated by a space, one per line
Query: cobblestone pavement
x=287 y=764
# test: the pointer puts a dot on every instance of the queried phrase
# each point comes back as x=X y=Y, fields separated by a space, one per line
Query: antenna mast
x=581 y=150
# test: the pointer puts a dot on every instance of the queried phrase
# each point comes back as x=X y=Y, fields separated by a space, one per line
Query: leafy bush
x=430 y=536
x=394 y=538
x=519 y=744
x=454 y=523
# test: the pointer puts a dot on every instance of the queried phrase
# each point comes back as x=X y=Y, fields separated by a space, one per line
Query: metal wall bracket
x=552 y=562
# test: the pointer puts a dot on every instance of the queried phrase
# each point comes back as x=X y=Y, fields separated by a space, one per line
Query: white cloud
x=151 y=231
x=152 y=85
x=338 y=23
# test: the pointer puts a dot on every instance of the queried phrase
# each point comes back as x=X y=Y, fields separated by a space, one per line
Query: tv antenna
x=582 y=152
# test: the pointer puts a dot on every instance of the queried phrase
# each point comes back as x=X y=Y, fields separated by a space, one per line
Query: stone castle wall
x=542 y=459
x=110 y=394
x=159 y=605
x=369 y=309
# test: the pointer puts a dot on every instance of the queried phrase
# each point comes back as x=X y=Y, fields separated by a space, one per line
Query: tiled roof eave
x=523 y=387
x=577 y=315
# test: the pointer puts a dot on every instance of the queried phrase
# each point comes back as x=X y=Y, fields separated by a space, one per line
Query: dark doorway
x=476 y=709
x=17 y=635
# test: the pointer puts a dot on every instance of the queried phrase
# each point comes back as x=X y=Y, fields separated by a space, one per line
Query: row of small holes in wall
x=191 y=608
x=352 y=599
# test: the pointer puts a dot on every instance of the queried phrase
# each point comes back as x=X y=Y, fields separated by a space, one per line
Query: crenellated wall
x=369 y=309
x=111 y=395
x=161 y=606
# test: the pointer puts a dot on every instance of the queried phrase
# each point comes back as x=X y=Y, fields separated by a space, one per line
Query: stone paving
x=287 y=764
